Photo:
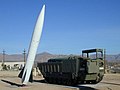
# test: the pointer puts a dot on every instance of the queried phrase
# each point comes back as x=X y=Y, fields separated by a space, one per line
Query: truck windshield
x=93 y=54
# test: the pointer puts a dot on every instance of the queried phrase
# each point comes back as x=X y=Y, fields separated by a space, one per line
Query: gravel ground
x=109 y=82
x=10 y=81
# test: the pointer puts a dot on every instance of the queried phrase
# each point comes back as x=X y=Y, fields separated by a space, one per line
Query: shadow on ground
x=85 y=88
x=43 y=81
x=12 y=83
x=40 y=81
x=80 y=87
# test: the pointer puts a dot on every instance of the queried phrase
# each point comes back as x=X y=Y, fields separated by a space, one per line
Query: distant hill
x=13 y=57
x=43 y=57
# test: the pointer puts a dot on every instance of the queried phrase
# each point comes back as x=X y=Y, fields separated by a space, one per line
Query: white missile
x=33 y=47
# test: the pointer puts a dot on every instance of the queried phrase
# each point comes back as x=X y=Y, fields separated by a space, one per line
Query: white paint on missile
x=33 y=46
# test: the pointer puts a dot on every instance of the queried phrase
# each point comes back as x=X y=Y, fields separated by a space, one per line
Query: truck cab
x=95 y=66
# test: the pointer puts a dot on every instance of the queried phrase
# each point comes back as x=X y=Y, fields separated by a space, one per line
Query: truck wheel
x=96 y=81
x=74 y=82
x=69 y=82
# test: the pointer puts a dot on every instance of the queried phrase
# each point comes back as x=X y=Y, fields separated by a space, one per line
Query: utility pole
x=24 y=53
x=3 y=60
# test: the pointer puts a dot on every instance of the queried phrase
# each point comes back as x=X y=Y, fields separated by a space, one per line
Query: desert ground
x=10 y=81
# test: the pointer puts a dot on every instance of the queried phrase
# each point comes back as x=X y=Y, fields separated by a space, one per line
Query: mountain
x=13 y=57
x=43 y=57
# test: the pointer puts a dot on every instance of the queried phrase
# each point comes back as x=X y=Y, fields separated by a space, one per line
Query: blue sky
x=70 y=25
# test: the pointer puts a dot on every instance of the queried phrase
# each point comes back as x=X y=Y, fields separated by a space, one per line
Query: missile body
x=33 y=47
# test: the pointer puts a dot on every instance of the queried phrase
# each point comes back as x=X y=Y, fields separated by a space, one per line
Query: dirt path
x=10 y=81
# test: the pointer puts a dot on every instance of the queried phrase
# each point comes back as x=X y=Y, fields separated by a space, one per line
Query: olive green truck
x=72 y=70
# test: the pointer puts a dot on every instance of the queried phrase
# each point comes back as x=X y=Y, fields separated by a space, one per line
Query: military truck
x=72 y=70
